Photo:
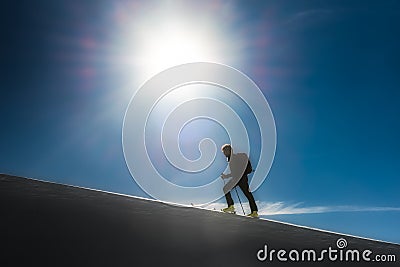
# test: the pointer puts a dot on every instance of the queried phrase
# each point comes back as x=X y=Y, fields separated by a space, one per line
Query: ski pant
x=244 y=185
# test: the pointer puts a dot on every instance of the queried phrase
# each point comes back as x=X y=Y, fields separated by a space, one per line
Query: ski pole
x=239 y=200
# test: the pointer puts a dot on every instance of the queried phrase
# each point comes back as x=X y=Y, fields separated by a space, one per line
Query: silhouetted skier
x=240 y=167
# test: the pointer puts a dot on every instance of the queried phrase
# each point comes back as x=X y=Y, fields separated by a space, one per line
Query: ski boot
x=230 y=209
x=254 y=214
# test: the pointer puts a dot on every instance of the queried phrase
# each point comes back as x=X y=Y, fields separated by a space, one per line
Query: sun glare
x=168 y=37
x=173 y=46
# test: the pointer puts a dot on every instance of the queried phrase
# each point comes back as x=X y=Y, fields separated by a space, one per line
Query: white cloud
x=280 y=208
x=308 y=16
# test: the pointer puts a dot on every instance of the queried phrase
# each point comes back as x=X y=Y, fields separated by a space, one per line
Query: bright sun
x=165 y=36
x=174 y=45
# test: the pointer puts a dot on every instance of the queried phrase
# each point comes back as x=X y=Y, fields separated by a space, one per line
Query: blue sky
x=329 y=70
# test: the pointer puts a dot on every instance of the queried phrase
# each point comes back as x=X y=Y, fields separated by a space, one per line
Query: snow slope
x=48 y=224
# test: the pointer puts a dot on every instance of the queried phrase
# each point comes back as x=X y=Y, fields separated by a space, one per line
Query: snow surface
x=48 y=224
